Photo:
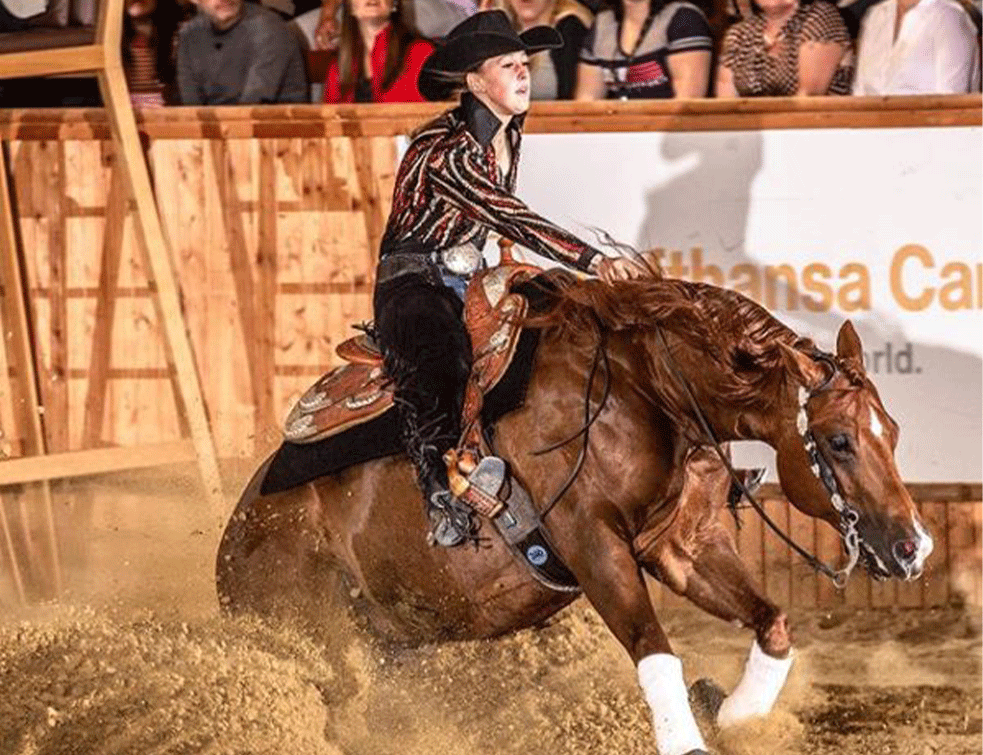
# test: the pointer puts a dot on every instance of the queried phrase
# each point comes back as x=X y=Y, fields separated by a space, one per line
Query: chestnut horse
x=646 y=499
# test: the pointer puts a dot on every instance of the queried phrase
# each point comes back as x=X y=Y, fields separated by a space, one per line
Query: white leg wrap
x=661 y=679
x=764 y=677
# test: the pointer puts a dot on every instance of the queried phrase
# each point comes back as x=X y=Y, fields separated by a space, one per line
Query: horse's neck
x=693 y=385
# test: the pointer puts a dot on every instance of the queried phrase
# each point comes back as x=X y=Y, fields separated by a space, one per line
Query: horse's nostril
x=905 y=550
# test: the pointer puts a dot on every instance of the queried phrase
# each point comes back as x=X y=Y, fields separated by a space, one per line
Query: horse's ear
x=848 y=346
x=805 y=369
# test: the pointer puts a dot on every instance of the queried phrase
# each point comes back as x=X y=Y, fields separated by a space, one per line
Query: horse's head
x=836 y=459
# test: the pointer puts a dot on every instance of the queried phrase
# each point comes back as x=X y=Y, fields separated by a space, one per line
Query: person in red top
x=379 y=58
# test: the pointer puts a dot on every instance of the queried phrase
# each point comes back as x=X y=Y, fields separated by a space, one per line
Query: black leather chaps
x=427 y=353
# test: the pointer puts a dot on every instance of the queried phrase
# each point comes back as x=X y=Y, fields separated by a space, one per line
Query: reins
x=818 y=464
x=600 y=353
x=848 y=517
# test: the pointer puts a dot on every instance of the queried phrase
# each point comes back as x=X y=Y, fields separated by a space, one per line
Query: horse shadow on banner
x=700 y=217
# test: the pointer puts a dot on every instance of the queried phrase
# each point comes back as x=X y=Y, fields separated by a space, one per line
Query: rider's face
x=502 y=83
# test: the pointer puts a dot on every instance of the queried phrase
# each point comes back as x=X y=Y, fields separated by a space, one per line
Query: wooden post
x=99 y=359
x=15 y=318
x=112 y=84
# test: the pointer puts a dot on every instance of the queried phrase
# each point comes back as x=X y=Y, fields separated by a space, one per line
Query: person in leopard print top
x=788 y=47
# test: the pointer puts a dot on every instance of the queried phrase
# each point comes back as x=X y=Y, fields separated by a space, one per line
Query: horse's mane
x=738 y=334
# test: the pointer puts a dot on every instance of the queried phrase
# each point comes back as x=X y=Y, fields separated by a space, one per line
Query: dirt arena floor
x=135 y=659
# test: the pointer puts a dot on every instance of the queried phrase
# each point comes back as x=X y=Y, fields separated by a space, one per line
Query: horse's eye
x=839 y=443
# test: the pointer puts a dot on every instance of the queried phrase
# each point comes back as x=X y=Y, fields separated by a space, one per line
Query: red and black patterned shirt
x=450 y=191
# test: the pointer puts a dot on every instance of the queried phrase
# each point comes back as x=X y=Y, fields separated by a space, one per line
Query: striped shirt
x=146 y=90
x=450 y=191
x=644 y=73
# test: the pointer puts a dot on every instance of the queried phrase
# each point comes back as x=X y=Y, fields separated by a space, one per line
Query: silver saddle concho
x=464 y=260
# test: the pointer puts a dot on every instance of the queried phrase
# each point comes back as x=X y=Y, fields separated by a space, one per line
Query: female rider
x=453 y=186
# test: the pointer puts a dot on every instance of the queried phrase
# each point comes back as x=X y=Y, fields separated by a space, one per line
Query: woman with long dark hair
x=379 y=57
x=646 y=49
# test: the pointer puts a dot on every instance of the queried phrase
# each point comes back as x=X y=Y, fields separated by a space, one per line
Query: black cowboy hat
x=484 y=35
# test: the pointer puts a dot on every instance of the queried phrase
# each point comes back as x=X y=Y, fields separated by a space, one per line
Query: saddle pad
x=296 y=464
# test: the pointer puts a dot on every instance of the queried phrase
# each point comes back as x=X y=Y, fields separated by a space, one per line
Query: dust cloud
x=81 y=681
x=134 y=657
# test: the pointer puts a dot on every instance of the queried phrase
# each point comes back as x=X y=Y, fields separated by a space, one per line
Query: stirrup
x=450 y=523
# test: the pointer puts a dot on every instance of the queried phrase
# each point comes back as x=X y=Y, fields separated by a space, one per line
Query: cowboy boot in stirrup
x=450 y=522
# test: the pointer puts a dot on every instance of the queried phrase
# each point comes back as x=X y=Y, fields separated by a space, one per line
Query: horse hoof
x=705 y=698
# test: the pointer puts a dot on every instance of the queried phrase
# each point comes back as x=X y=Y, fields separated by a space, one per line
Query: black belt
x=404 y=263
x=431 y=265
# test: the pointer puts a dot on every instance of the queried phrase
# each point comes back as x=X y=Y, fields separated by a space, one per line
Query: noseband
x=817 y=463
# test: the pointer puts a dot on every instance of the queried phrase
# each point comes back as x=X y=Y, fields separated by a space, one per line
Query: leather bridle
x=849 y=517
x=820 y=467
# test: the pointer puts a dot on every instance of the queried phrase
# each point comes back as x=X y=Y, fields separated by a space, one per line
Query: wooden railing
x=319 y=121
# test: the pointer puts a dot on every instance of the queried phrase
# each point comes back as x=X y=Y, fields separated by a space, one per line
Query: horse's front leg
x=696 y=558
x=719 y=584
x=613 y=582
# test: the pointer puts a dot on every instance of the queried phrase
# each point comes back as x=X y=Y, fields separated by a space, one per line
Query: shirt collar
x=481 y=122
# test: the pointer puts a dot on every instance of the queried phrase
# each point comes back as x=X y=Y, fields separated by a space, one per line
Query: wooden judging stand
x=273 y=216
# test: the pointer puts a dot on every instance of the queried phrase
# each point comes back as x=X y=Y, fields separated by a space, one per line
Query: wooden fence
x=271 y=242
x=273 y=217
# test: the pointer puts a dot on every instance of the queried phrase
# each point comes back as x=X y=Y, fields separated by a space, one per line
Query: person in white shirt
x=917 y=47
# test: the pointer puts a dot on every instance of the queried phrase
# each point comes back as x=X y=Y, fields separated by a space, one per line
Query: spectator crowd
x=223 y=52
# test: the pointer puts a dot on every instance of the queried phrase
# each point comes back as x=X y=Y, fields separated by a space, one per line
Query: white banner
x=879 y=225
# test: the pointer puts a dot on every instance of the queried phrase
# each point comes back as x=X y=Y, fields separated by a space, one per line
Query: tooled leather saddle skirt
x=359 y=391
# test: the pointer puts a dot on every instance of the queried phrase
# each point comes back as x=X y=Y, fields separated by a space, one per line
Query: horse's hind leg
x=696 y=558
x=273 y=562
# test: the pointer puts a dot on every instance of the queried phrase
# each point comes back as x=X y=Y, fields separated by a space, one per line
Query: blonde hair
x=561 y=9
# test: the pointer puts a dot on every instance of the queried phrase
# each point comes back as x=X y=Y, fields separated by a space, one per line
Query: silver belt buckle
x=461 y=260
